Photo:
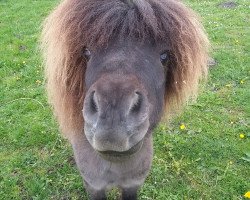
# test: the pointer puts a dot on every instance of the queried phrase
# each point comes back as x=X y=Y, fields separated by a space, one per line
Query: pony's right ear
x=63 y=42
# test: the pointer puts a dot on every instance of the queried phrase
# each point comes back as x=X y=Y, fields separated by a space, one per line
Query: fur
x=76 y=24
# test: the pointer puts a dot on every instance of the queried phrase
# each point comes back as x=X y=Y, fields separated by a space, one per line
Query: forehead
x=126 y=57
x=133 y=49
x=126 y=46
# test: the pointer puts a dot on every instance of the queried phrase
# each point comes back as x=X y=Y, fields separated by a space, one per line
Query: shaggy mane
x=77 y=24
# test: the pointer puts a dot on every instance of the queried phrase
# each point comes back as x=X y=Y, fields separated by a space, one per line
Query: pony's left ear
x=188 y=52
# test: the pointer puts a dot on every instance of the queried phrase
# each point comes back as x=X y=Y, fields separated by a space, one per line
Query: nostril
x=137 y=103
x=93 y=103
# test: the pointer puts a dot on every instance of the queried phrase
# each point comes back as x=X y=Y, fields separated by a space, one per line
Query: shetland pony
x=113 y=68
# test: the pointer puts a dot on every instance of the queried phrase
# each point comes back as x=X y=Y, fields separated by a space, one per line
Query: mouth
x=129 y=152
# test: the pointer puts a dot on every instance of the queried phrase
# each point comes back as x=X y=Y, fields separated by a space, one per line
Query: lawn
x=203 y=153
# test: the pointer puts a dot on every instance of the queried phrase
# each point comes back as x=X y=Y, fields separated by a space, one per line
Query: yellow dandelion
x=242 y=82
x=247 y=195
x=182 y=127
x=24 y=62
x=242 y=135
x=38 y=82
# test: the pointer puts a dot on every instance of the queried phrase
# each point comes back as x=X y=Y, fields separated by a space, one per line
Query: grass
x=206 y=160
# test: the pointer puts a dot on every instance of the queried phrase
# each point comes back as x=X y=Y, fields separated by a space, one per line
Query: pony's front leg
x=95 y=194
x=129 y=193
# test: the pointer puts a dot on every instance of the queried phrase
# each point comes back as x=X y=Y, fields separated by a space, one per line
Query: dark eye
x=164 y=58
x=93 y=104
x=86 y=53
x=137 y=104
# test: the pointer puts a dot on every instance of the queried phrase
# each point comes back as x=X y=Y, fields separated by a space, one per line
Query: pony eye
x=86 y=53
x=164 y=57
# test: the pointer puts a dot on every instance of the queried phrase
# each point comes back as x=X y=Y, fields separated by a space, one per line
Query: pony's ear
x=65 y=67
x=189 y=46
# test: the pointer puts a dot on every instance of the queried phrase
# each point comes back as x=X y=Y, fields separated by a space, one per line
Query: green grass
x=207 y=160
